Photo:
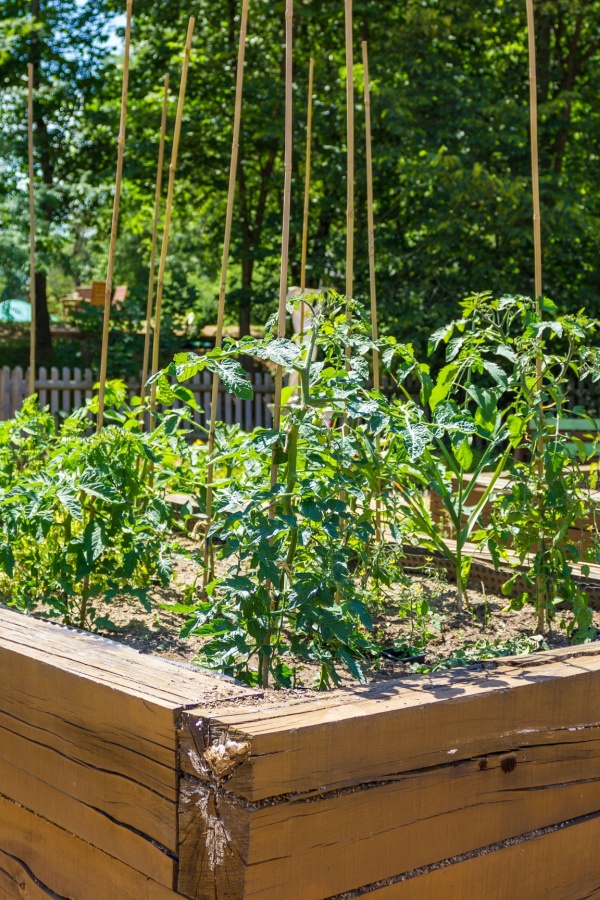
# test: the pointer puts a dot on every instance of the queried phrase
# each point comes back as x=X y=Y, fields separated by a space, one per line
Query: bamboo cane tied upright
x=537 y=249
x=168 y=211
x=154 y=239
x=287 y=198
x=307 y=175
x=235 y=147
x=350 y=159
x=32 y=298
x=115 y=222
x=371 y=215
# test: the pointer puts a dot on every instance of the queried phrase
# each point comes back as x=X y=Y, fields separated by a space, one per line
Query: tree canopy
x=451 y=150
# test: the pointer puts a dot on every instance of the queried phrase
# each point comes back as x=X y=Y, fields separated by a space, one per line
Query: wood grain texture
x=561 y=865
x=350 y=738
x=88 y=739
x=64 y=865
x=310 y=849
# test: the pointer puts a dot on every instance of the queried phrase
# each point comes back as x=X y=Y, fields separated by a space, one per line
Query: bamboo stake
x=370 y=215
x=283 y=275
x=287 y=197
x=350 y=161
x=371 y=245
x=235 y=146
x=32 y=298
x=311 y=71
x=537 y=249
x=115 y=222
x=535 y=168
x=168 y=211
x=155 y=221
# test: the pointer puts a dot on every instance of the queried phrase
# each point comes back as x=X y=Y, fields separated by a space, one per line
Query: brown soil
x=442 y=638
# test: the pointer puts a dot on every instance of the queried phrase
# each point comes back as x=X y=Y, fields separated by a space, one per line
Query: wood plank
x=97 y=805
x=88 y=737
x=16 y=881
x=307 y=849
x=65 y=865
x=355 y=737
x=560 y=865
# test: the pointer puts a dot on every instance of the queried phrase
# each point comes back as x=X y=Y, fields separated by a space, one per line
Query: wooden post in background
x=32 y=299
x=350 y=160
x=157 y=193
x=371 y=215
x=235 y=147
x=311 y=71
x=115 y=223
x=168 y=209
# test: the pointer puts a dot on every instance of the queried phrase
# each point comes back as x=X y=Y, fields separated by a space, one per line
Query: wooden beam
x=62 y=865
x=345 y=739
x=311 y=800
x=559 y=865
x=88 y=740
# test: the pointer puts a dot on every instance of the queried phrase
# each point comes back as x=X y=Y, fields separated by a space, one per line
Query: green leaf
x=464 y=455
x=443 y=385
x=93 y=539
x=282 y=352
x=70 y=501
x=234 y=378
x=498 y=374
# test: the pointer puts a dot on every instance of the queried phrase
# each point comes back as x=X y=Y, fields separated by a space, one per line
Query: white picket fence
x=65 y=390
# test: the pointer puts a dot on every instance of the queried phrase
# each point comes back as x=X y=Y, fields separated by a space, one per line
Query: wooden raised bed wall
x=124 y=777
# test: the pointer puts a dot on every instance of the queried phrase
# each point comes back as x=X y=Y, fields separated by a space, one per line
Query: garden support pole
x=350 y=160
x=235 y=148
x=155 y=221
x=371 y=246
x=32 y=299
x=537 y=249
x=285 y=247
x=285 y=230
x=371 y=215
x=311 y=72
x=168 y=211
x=115 y=222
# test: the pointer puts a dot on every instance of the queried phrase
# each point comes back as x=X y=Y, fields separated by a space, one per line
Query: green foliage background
x=451 y=150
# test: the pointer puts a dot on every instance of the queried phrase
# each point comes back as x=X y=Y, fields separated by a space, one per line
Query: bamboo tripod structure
x=115 y=223
x=311 y=73
x=287 y=199
x=32 y=298
x=168 y=211
x=155 y=221
x=235 y=147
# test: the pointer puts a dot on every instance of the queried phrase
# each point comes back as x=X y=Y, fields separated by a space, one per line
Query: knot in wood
x=508 y=763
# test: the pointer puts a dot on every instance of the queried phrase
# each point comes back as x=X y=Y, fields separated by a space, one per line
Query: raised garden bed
x=125 y=776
